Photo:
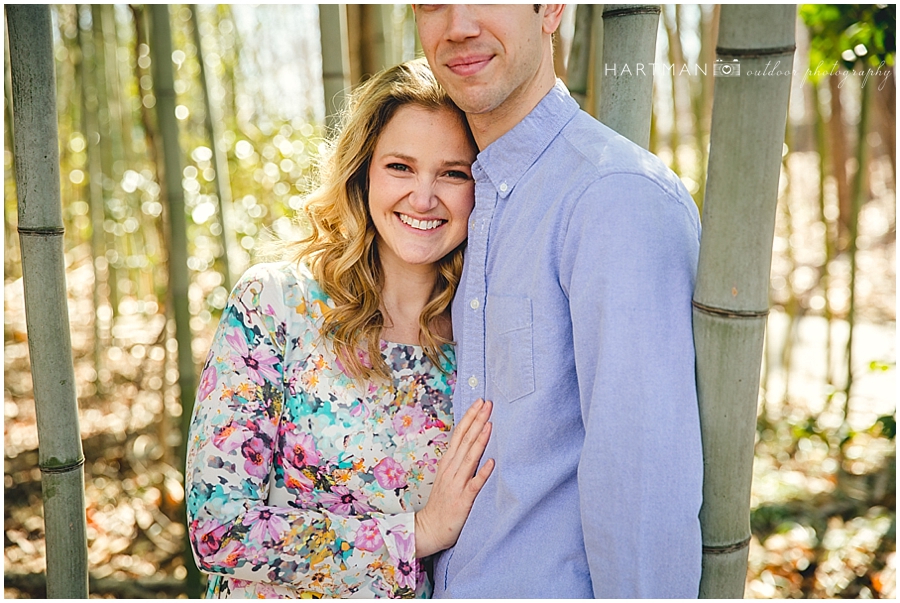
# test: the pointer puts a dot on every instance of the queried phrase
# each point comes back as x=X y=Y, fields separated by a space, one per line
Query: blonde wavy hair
x=341 y=251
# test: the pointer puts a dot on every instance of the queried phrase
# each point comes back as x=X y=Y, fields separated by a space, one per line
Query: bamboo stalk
x=825 y=275
x=856 y=198
x=580 y=54
x=676 y=59
x=335 y=60
x=86 y=68
x=629 y=51
x=222 y=181
x=60 y=455
x=179 y=281
x=731 y=295
x=709 y=31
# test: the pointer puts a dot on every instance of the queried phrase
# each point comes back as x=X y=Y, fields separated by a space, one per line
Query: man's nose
x=462 y=23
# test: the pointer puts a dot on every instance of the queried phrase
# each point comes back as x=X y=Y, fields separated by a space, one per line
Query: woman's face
x=421 y=190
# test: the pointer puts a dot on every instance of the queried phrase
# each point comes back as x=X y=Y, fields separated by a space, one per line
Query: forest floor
x=823 y=498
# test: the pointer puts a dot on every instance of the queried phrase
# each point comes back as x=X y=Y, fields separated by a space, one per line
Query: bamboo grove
x=187 y=139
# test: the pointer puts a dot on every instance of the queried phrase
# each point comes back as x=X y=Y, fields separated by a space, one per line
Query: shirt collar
x=505 y=160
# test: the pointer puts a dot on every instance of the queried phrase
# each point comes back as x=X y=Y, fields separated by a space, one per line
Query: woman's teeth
x=420 y=224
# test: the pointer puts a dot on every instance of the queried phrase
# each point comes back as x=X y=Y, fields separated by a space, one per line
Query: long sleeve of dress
x=241 y=441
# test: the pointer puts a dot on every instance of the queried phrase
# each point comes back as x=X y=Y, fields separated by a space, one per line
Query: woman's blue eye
x=398 y=166
x=458 y=174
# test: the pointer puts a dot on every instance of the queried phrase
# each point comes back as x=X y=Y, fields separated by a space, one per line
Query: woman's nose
x=423 y=198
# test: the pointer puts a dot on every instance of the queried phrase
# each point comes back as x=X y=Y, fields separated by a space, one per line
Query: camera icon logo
x=723 y=69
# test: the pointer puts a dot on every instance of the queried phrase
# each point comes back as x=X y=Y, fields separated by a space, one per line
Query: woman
x=324 y=405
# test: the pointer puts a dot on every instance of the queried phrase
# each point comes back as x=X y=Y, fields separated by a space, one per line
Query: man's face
x=485 y=56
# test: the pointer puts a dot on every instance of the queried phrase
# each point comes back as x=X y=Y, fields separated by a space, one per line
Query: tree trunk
x=335 y=60
x=626 y=87
x=41 y=230
x=222 y=181
x=731 y=296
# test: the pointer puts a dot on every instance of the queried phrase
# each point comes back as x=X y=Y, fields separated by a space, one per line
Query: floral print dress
x=302 y=482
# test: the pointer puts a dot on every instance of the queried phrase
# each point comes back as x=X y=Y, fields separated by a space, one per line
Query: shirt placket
x=471 y=372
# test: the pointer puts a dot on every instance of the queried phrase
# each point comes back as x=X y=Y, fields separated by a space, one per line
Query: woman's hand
x=456 y=484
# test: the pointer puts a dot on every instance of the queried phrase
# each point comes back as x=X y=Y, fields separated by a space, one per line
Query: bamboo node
x=42 y=231
x=726 y=548
x=64 y=468
x=749 y=53
x=726 y=313
x=652 y=9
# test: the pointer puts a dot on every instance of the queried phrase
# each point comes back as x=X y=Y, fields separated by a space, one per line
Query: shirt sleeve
x=629 y=267
x=234 y=438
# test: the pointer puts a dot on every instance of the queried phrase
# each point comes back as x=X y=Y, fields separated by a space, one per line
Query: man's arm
x=631 y=254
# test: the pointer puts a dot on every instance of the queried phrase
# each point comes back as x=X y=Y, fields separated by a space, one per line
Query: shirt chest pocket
x=509 y=345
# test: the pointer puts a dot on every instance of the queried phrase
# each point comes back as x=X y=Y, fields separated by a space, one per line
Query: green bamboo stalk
x=595 y=76
x=629 y=51
x=731 y=296
x=335 y=60
x=222 y=181
x=709 y=31
x=373 y=56
x=676 y=59
x=856 y=198
x=164 y=83
x=85 y=69
x=60 y=455
x=580 y=54
x=179 y=281
x=825 y=278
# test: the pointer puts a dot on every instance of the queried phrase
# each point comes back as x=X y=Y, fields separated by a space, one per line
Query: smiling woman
x=421 y=191
x=324 y=405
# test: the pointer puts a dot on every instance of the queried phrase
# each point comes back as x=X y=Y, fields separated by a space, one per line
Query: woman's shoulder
x=292 y=282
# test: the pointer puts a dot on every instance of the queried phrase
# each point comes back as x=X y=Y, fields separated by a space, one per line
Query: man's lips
x=469 y=65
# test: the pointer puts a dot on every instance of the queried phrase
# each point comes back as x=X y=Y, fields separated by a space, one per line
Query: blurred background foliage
x=824 y=493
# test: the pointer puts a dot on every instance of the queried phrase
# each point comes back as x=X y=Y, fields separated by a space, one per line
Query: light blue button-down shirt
x=574 y=316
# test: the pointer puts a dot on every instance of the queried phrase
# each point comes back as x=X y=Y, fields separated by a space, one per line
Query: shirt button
x=472 y=224
x=503 y=187
x=473 y=304
x=473 y=382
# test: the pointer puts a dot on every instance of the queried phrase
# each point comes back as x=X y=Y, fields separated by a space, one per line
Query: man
x=574 y=317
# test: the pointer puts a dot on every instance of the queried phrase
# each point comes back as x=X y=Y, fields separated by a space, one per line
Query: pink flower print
x=300 y=449
x=406 y=566
x=359 y=410
x=430 y=422
x=230 y=437
x=295 y=480
x=409 y=420
x=390 y=474
x=209 y=537
x=256 y=464
x=368 y=536
x=363 y=358
x=265 y=523
x=208 y=381
x=259 y=363
x=344 y=502
x=230 y=554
